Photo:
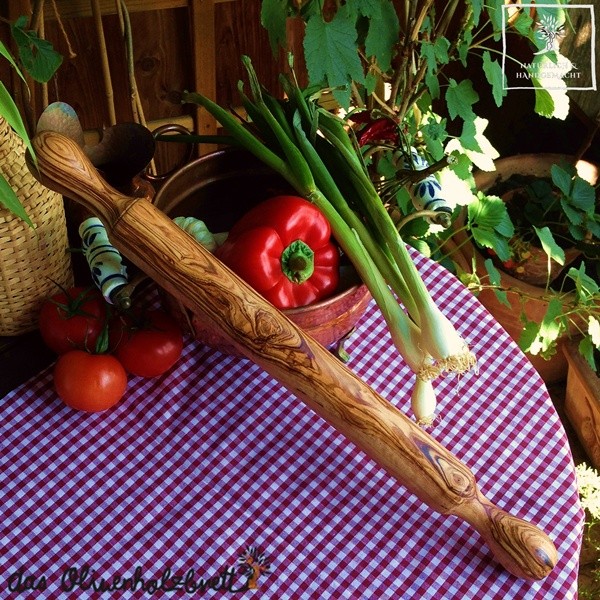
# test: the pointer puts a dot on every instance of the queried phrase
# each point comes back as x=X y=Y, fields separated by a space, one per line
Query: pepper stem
x=297 y=262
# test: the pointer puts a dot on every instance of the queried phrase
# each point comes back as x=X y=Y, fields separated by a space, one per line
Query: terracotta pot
x=554 y=369
x=534 y=269
x=582 y=401
x=219 y=188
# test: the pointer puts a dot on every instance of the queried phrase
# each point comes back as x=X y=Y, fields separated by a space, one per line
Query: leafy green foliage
x=37 y=56
x=273 y=16
x=495 y=279
x=330 y=46
x=460 y=98
x=540 y=338
x=380 y=41
x=40 y=60
x=549 y=245
x=490 y=225
x=495 y=76
x=435 y=134
x=330 y=57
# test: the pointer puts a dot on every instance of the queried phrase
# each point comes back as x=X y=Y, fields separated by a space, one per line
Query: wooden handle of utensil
x=181 y=266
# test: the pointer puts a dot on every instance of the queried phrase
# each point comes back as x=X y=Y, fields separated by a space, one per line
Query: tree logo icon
x=551 y=32
x=253 y=563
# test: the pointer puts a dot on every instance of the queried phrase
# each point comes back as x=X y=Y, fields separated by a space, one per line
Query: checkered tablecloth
x=213 y=477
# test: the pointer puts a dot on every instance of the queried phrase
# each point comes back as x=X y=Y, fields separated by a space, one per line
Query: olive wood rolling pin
x=264 y=335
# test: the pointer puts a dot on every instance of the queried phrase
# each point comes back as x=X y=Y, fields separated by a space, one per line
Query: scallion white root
x=443 y=342
x=423 y=402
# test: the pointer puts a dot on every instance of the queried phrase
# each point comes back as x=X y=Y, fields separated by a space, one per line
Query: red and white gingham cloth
x=215 y=459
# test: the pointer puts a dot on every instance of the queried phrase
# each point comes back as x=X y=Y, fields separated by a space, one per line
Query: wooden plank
x=202 y=16
x=69 y=9
x=581 y=403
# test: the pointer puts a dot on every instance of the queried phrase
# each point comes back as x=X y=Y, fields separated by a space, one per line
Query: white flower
x=588 y=483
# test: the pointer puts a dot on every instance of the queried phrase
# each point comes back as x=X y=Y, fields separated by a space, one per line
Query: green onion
x=314 y=152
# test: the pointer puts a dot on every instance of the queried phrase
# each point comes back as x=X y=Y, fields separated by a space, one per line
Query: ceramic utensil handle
x=263 y=334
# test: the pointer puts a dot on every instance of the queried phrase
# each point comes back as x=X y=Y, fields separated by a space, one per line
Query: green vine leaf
x=586 y=349
x=273 y=17
x=460 y=98
x=523 y=23
x=384 y=31
x=496 y=280
x=594 y=330
x=496 y=77
x=38 y=56
x=551 y=99
x=434 y=134
x=330 y=52
x=483 y=157
x=561 y=178
x=585 y=286
x=583 y=195
x=477 y=6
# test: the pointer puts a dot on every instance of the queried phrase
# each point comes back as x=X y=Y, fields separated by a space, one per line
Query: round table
x=213 y=480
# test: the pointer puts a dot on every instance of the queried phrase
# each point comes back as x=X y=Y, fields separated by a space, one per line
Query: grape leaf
x=383 y=34
x=460 y=98
x=495 y=76
x=330 y=52
x=273 y=17
x=38 y=56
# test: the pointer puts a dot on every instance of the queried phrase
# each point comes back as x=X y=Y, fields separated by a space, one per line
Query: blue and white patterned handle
x=105 y=261
x=427 y=193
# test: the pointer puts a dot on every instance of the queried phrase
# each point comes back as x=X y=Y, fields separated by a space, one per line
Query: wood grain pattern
x=203 y=284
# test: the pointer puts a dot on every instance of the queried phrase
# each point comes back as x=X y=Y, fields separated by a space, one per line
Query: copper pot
x=219 y=188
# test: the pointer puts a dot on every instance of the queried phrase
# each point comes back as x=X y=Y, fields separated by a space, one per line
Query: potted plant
x=394 y=69
x=582 y=400
x=554 y=224
x=32 y=219
x=401 y=71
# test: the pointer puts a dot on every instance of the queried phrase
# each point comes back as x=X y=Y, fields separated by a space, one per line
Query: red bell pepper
x=378 y=129
x=283 y=249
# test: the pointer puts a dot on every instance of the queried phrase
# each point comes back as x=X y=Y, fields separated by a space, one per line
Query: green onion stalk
x=316 y=153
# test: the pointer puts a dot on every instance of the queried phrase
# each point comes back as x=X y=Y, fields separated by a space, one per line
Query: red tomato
x=89 y=382
x=149 y=344
x=72 y=319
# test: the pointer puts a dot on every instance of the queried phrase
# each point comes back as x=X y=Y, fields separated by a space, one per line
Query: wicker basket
x=32 y=261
